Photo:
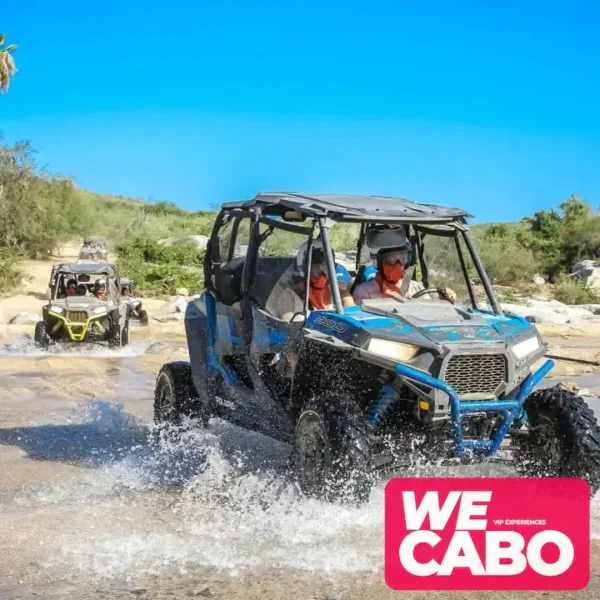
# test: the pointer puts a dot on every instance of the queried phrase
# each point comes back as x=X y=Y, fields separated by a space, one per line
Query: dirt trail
x=93 y=505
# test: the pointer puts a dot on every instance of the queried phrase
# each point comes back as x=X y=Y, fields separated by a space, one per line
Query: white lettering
x=430 y=505
x=534 y=553
x=513 y=552
x=468 y=510
x=461 y=542
x=407 y=553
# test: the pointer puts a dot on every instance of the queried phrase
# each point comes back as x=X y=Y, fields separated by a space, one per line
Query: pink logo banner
x=487 y=534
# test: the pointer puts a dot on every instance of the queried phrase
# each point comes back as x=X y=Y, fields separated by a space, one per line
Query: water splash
x=25 y=346
x=206 y=498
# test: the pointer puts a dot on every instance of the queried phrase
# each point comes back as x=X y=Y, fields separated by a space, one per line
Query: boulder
x=536 y=314
x=587 y=271
x=593 y=308
x=200 y=241
x=538 y=279
x=25 y=319
x=177 y=304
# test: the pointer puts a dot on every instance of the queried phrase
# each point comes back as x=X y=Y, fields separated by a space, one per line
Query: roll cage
x=283 y=211
x=65 y=271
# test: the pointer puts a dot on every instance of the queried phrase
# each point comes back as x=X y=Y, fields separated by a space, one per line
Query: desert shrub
x=571 y=291
x=11 y=271
x=505 y=261
x=159 y=269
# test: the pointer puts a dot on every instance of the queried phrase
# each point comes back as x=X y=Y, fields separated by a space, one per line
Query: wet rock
x=177 y=304
x=204 y=593
x=178 y=316
x=25 y=319
x=568 y=385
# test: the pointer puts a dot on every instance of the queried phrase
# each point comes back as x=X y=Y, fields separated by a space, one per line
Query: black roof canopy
x=351 y=207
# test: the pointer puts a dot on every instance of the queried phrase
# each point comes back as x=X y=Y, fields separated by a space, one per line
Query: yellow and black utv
x=84 y=305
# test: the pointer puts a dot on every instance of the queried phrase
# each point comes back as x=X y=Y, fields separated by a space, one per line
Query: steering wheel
x=432 y=290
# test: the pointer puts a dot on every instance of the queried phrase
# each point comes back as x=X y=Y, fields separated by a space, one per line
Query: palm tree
x=7 y=64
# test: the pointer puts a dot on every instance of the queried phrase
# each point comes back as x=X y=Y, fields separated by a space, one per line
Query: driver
x=393 y=255
x=100 y=289
x=125 y=291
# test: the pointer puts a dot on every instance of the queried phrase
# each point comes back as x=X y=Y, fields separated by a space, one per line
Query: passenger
x=319 y=293
x=71 y=288
x=392 y=256
x=100 y=289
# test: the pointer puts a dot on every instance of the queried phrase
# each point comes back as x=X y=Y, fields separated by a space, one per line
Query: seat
x=269 y=270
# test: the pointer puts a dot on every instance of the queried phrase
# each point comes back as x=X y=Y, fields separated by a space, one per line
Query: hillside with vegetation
x=39 y=211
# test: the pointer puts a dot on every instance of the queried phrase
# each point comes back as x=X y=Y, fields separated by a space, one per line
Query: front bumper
x=509 y=411
x=79 y=331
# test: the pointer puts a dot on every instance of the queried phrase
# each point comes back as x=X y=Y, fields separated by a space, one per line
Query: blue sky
x=491 y=106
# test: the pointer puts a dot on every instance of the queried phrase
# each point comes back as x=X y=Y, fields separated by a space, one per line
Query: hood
x=439 y=322
x=80 y=303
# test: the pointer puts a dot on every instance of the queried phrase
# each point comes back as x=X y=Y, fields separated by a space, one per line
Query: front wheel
x=143 y=318
x=41 y=337
x=119 y=336
x=331 y=456
x=562 y=438
x=175 y=396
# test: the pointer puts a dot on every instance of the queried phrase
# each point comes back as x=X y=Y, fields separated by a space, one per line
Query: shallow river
x=93 y=504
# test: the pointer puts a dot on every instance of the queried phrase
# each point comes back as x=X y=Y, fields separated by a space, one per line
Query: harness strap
x=408 y=275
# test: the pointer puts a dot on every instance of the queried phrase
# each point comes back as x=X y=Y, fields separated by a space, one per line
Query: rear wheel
x=41 y=337
x=175 y=397
x=331 y=457
x=563 y=438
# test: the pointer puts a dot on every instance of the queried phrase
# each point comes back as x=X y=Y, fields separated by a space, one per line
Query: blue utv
x=361 y=391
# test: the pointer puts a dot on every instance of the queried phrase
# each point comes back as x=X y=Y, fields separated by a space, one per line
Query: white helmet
x=317 y=244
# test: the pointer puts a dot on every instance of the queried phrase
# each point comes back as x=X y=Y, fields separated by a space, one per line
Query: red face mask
x=318 y=281
x=393 y=273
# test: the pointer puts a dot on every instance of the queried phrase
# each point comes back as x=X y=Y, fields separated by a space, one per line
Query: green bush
x=11 y=271
x=571 y=291
x=159 y=269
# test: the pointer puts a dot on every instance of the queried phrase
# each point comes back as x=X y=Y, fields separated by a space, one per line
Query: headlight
x=526 y=347
x=56 y=309
x=393 y=350
x=99 y=311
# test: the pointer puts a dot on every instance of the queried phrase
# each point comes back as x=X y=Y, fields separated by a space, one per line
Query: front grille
x=476 y=373
x=77 y=316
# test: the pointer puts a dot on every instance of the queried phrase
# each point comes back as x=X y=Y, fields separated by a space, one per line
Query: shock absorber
x=381 y=407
